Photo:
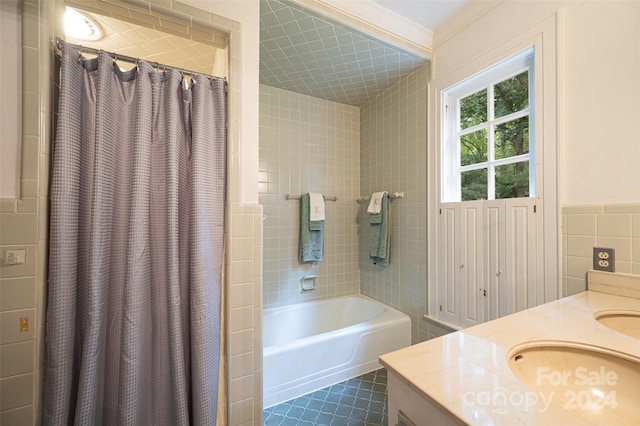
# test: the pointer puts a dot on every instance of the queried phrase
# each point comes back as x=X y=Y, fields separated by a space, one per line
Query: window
x=493 y=241
x=487 y=248
x=488 y=134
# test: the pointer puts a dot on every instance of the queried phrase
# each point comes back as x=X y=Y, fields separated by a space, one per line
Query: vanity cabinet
x=408 y=408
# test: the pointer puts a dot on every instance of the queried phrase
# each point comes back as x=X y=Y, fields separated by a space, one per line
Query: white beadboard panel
x=450 y=274
x=495 y=260
x=521 y=254
x=471 y=264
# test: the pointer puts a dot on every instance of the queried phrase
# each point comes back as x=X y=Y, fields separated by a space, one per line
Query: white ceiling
x=427 y=13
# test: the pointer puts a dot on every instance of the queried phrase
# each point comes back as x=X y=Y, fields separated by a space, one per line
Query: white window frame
x=485 y=80
x=546 y=41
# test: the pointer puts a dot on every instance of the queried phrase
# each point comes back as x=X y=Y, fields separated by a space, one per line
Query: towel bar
x=297 y=197
x=391 y=197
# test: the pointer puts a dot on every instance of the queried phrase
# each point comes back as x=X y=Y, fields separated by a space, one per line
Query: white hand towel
x=375 y=203
x=316 y=207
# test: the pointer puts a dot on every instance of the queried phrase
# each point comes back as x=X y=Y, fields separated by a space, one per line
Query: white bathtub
x=312 y=345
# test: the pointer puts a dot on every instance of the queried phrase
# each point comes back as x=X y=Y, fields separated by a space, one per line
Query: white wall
x=601 y=111
x=598 y=81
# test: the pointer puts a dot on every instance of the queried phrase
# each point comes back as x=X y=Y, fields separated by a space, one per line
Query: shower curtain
x=136 y=244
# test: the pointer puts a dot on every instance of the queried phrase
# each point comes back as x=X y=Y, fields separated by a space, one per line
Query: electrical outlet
x=604 y=259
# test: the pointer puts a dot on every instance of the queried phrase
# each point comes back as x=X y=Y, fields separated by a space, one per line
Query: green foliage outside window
x=510 y=139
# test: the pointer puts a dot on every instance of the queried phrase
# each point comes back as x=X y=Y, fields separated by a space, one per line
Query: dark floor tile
x=302 y=401
x=350 y=390
x=374 y=418
x=344 y=411
x=281 y=408
x=295 y=412
x=376 y=407
x=337 y=388
x=333 y=397
x=325 y=419
x=314 y=404
x=358 y=413
x=273 y=420
x=360 y=401
x=329 y=407
x=340 y=421
x=310 y=415
x=348 y=400
x=379 y=387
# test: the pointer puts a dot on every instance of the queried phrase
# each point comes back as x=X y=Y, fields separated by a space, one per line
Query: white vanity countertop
x=465 y=371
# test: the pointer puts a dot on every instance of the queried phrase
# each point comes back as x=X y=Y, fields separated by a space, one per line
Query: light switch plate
x=15 y=257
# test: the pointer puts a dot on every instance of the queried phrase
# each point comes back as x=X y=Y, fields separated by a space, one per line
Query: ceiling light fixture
x=80 y=26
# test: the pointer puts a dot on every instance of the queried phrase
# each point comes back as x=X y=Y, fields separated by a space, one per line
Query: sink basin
x=626 y=322
x=596 y=384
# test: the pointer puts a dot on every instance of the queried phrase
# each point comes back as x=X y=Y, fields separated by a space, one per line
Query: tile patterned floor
x=355 y=402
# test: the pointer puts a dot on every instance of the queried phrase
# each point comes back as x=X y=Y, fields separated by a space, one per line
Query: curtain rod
x=130 y=59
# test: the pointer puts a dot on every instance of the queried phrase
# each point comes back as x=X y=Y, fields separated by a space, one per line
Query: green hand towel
x=379 y=234
x=311 y=235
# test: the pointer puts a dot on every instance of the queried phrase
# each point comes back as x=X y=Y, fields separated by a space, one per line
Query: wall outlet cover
x=604 y=259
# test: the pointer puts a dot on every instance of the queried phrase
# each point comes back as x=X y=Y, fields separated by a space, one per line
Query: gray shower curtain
x=136 y=244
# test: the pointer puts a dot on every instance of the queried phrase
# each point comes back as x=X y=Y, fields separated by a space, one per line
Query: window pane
x=512 y=180
x=473 y=148
x=473 y=109
x=511 y=95
x=512 y=138
x=474 y=185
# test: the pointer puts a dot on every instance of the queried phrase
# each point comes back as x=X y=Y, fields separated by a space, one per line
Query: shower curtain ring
x=80 y=54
